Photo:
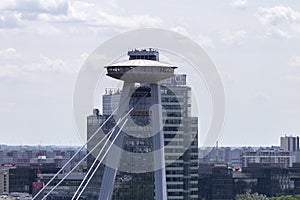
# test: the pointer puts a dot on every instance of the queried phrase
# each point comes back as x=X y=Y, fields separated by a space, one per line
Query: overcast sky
x=254 y=44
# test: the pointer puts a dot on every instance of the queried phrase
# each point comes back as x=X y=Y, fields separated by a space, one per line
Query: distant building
x=243 y=182
x=23 y=175
x=272 y=179
x=231 y=156
x=215 y=182
x=65 y=190
x=25 y=155
x=289 y=143
x=4 y=181
x=295 y=177
x=235 y=158
x=268 y=156
x=21 y=178
x=36 y=187
x=16 y=196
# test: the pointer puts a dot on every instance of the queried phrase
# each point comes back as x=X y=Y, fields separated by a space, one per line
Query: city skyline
x=254 y=45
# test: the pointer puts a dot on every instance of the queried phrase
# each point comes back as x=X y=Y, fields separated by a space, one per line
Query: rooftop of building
x=15 y=195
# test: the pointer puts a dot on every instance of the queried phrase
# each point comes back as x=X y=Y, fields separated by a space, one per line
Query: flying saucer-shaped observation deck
x=140 y=71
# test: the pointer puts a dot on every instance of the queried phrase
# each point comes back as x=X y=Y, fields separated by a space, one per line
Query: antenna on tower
x=217 y=151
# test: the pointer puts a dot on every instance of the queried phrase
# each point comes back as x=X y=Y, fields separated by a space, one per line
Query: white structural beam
x=108 y=179
x=158 y=143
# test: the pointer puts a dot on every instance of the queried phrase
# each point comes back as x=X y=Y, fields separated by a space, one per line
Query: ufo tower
x=142 y=67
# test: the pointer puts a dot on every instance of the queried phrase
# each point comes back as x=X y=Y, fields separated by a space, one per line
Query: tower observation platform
x=141 y=70
x=142 y=67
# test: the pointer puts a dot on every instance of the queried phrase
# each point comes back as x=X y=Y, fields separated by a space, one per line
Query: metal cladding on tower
x=141 y=71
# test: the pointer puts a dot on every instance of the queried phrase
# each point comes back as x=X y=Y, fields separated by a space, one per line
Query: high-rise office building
x=182 y=174
x=289 y=143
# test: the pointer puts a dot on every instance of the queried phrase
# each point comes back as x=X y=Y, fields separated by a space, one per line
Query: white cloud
x=233 y=38
x=278 y=33
x=15 y=64
x=9 y=71
x=294 y=75
x=47 y=64
x=23 y=14
x=78 y=11
x=292 y=78
x=262 y=97
x=7 y=4
x=47 y=30
x=228 y=78
x=202 y=40
x=180 y=30
x=94 y=15
x=239 y=3
x=4 y=53
x=295 y=61
x=165 y=58
x=134 y=21
x=35 y=6
x=10 y=20
x=277 y=15
x=280 y=21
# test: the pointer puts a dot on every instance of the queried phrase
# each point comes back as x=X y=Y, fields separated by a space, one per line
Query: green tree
x=254 y=196
x=283 y=198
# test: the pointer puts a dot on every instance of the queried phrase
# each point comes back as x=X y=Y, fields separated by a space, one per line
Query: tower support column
x=109 y=175
x=158 y=143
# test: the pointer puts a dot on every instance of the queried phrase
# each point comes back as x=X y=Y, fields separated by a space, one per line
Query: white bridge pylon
x=131 y=72
x=114 y=155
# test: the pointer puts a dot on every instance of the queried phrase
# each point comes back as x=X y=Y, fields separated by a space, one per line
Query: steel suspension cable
x=94 y=171
x=77 y=152
x=85 y=157
x=100 y=161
